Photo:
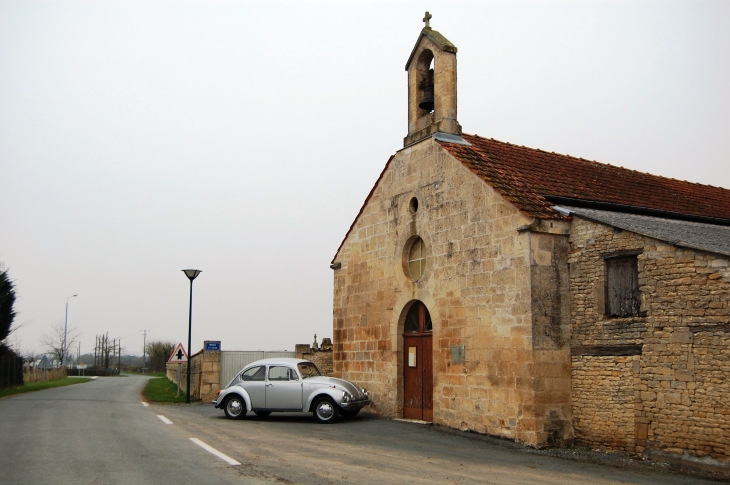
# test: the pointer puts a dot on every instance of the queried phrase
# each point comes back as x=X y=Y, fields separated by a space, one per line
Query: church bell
x=427 y=101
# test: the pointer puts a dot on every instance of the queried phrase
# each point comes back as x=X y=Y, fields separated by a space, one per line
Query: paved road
x=100 y=433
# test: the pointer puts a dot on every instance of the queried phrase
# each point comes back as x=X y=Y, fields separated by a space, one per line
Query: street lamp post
x=191 y=274
x=65 y=332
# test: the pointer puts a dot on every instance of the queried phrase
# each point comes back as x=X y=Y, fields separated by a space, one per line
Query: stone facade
x=670 y=396
x=522 y=344
x=480 y=276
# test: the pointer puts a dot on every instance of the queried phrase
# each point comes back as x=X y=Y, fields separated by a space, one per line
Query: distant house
x=535 y=296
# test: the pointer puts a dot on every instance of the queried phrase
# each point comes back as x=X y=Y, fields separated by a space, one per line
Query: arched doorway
x=417 y=366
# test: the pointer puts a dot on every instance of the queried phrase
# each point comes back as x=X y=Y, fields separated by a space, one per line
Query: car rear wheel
x=235 y=407
x=262 y=414
x=325 y=410
x=349 y=413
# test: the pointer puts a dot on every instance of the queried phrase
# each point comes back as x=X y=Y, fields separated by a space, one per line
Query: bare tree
x=159 y=352
x=53 y=340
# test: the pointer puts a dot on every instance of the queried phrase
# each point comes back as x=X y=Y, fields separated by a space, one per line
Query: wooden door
x=417 y=365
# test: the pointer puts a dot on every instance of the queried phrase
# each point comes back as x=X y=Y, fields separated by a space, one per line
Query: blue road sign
x=212 y=345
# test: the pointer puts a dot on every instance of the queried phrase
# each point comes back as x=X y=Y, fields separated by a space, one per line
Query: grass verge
x=162 y=390
x=39 y=386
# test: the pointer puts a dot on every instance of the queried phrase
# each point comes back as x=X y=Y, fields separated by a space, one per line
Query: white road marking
x=215 y=452
x=164 y=419
x=145 y=404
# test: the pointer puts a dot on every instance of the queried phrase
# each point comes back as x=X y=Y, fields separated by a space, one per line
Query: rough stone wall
x=603 y=404
x=477 y=288
x=681 y=343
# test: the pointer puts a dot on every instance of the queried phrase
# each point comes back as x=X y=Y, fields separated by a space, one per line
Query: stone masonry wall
x=550 y=294
x=603 y=403
x=477 y=288
x=210 y=375
x=681 y=345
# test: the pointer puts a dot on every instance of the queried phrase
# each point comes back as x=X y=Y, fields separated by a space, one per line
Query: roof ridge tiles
x=602 y=164
x=535 y=173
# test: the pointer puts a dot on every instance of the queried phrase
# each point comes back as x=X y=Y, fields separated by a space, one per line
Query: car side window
x=293 y=375
x=254 y=374
x=278 y=373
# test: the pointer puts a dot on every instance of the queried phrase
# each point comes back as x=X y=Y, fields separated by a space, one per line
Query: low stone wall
x=205 y=371
x=321 y=355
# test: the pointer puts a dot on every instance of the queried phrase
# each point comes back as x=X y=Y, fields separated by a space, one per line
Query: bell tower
x=431 y=86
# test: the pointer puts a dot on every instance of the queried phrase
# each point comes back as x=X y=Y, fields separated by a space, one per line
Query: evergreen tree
x=7 y=310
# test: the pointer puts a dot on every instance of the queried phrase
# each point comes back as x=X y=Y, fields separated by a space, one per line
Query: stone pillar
x=210 y=375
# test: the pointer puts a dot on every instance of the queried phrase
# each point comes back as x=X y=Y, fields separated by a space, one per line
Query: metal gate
x=233 y=361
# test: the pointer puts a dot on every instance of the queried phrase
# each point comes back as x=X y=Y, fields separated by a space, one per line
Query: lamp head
x=192 y=273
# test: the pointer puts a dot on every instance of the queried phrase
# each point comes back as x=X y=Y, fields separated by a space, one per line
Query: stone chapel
x=535 y=296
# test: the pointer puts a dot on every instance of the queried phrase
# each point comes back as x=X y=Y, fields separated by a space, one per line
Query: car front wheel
x=235 y=407
x=325 y=410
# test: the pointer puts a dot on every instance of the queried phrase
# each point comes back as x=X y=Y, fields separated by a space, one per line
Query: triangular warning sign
x=178 y=355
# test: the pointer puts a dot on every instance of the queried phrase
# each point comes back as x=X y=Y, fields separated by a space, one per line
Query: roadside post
x=179 y=357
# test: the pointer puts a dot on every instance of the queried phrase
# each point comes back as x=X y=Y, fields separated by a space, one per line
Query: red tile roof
x=528 y=177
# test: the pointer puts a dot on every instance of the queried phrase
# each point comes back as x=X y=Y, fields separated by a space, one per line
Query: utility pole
x=144 y=350
x=120 y=356
x=65 y=331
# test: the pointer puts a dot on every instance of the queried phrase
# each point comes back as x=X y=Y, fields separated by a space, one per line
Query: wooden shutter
x=622 y=287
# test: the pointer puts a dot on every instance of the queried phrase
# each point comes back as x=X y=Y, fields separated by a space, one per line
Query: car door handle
x=269 y=384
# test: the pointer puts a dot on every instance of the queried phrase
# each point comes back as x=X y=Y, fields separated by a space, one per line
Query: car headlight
x=346 y=396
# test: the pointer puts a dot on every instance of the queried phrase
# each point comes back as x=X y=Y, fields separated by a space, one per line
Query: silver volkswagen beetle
x=287 y=385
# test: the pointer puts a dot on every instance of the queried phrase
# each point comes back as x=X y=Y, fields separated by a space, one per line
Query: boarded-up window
x=622 y=287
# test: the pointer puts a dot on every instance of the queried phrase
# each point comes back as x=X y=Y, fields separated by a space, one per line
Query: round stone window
x=417 y=259
x=413 y=205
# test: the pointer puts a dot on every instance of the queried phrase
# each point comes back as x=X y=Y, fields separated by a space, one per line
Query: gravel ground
x=612 y=459
x=291 y=448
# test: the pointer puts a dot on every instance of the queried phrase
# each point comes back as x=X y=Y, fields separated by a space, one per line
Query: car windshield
x=307 y=369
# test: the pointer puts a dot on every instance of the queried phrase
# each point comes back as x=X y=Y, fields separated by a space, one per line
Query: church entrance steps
x=413 y=421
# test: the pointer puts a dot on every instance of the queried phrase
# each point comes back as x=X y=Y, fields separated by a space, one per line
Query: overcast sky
x=138 y=138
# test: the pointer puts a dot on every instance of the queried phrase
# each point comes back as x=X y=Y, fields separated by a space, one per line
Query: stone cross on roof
x=427 y=19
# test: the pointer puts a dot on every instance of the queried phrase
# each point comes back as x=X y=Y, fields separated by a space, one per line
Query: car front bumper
x=355 y=404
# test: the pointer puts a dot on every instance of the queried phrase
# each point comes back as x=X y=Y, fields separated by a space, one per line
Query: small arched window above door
x=418 y=319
